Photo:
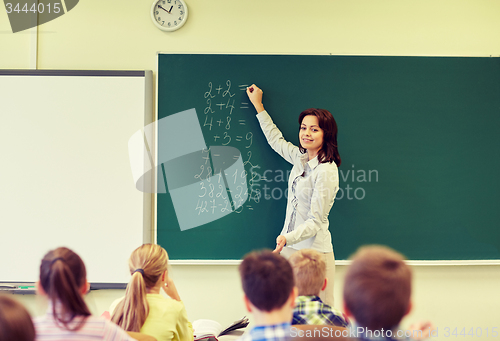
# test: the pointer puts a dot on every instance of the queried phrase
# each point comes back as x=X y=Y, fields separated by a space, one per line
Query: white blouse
x=312 y=196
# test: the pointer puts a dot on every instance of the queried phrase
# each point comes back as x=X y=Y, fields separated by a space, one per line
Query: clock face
x=169 y=15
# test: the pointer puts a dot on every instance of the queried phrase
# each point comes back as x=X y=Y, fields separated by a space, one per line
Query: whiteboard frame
x=147 y=117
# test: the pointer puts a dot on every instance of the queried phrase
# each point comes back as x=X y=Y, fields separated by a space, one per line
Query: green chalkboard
x=418 y=136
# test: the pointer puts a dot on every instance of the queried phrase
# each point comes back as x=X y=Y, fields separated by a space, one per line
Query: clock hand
x=165 y=9
x=170 y=9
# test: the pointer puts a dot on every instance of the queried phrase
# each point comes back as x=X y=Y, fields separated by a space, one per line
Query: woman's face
x=311 y=135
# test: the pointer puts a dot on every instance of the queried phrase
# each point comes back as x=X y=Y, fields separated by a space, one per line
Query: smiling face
x=311 y=135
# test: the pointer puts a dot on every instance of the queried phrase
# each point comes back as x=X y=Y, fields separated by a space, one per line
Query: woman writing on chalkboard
x=312 y=185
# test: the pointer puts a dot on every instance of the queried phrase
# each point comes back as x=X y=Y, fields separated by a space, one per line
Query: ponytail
x=147 y=264
x=132 y=311
x=62 y=276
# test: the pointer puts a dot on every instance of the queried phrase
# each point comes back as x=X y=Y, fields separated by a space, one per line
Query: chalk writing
x=220 y=191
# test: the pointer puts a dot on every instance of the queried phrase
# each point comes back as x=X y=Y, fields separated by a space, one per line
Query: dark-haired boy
x=377 y=292
x=268 y=284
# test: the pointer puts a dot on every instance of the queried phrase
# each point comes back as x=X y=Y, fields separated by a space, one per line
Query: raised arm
x=170 y=288
x=274 y=137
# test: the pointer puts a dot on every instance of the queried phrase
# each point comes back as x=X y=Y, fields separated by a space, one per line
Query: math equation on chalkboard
x=227 y=177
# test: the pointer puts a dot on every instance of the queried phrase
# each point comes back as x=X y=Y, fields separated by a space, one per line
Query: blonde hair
x=309 y=269
x=377 y=287
x=147 y=264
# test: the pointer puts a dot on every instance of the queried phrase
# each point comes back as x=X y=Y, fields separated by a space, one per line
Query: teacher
x=312 y=185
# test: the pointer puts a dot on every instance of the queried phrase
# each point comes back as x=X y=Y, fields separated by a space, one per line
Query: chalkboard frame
x=437 y=261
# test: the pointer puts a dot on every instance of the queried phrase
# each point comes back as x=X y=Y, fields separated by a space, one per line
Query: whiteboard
x=66 y=178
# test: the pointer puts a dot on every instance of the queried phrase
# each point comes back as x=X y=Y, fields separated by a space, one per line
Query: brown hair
x=309 y=269
x=147 y=263
x=377 y=287
x=62 y=276
x=267 y=279
x=15 y=321
x=329 y=151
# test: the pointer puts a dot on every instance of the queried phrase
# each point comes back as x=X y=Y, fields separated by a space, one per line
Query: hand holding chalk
x=280 y=243
x=255 y=96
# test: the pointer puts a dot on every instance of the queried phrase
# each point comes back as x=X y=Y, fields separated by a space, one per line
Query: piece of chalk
x=251 y=89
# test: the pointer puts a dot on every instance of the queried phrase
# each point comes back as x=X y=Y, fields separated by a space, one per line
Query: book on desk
x=209 y=330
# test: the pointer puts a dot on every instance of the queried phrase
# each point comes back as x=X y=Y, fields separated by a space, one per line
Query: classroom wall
x=116 y=34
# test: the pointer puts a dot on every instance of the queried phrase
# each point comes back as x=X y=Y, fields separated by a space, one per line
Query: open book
x=206 y=329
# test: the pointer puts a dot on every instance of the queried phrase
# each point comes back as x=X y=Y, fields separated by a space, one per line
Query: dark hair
x=15 y=321
x=329 y=151
x=62 y=275
x=377 y=287
x=267 y=279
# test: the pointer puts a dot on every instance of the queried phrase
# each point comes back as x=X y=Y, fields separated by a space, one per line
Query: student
x=15 y=321
x=268 y=285
x=63 y=279
x=377 y=293
x=144 y=309
x=313 y=182
x=309 y=269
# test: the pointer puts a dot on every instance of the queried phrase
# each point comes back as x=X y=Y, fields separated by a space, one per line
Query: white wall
x=116 y=34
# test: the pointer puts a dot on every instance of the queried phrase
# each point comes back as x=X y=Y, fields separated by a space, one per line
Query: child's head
x=377 y=288
x=63 y=279
x=15 y=321
x=309 y=269
x=267 y=280
x=152 y=259
x=148 y=265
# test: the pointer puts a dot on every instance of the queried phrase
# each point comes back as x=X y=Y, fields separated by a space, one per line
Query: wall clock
x=169 y=15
